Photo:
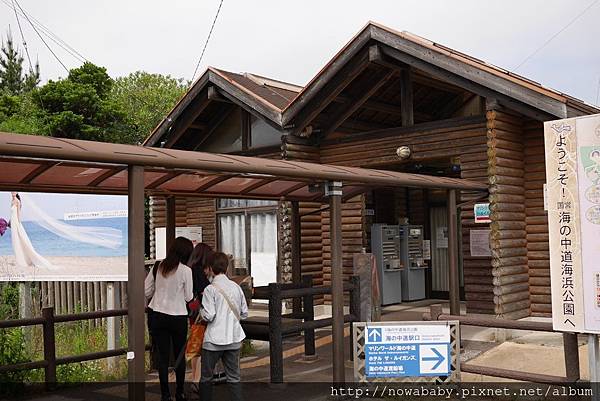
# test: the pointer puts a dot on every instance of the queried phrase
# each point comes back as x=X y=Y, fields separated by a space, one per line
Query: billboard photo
x=62 y=237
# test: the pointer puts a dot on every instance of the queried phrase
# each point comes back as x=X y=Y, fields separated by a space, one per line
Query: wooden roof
x=45 y=164
x=443 y=79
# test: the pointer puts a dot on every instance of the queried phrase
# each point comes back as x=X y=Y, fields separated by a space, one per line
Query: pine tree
x=12 y=79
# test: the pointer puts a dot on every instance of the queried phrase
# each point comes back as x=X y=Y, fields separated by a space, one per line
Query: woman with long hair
x=171 y=288
x=200 y=259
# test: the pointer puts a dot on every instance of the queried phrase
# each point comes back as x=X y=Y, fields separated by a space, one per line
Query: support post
x=571 y=352
x=296 y=249
x=170 y=224
x=406 y=98
x=454 y=280
x=355 y=308
x=49 y=348
x=135 y=285
x=113 y=324
x=334 y=191
x=309 y=316
x=594 y=365
x=275 y=334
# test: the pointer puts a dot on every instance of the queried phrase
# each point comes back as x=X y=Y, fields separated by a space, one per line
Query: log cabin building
x=385 y=90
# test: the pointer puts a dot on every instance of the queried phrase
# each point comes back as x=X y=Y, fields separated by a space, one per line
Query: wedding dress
x=25 y=255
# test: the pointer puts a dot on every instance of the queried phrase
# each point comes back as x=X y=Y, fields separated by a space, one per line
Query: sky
x=56 y=205
x=293 y=40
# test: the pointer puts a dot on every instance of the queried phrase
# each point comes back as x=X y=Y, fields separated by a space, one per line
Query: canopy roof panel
x=45 y=164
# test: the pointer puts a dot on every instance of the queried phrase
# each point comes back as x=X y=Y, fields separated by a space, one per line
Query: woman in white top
x=171 y=288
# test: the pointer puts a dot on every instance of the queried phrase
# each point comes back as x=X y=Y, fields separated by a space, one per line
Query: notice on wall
x=193 y=233
x=573 y=202
x=426 y=249
x=441 y=237
x=479 y=243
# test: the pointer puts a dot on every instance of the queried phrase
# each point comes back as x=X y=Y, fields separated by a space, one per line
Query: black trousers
x=169 y=330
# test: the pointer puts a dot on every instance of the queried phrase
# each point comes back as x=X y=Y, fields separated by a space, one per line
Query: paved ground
x=537 y=353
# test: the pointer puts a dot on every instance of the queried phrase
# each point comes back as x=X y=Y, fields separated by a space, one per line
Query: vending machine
x=386 y=244
x=411 y=256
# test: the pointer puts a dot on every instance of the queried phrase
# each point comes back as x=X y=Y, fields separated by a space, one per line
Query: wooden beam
x=41 y=169
x=214 y=123
x=330 y=91
x=214 y=94
x=212 y=181
x=362 y=95
x=100 y=179
x=513 y=93
x=246 y=125
x=187 y=119
x=257 y=185
x=406 y=98
x=397 y=131
x=458 y=80
x=165 y=178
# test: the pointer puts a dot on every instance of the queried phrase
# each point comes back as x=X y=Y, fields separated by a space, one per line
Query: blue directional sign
x=406 y=350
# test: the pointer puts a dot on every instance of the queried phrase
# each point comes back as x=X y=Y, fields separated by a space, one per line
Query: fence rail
x=50 y=361
x=571 y=349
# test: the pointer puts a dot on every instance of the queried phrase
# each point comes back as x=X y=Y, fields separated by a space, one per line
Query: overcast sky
x=292 y=40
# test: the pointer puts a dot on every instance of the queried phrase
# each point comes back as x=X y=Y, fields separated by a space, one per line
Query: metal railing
x=571 y=350
x=50 y=361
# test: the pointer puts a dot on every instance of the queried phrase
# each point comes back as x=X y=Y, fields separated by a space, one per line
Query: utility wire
x=206 y=43
x=40 y=36
x=24 y=41
x=49 y=34
x=556 y=34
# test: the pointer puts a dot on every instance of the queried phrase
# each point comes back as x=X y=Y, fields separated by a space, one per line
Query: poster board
x=193 y=233
x=573 y=200
x=479 y=243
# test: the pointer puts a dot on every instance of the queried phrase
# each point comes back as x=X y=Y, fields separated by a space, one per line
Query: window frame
x=247 y=212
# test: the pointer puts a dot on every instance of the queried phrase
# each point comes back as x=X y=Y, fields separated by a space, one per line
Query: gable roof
x=282 y=104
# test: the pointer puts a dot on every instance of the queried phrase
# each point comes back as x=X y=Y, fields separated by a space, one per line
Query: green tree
x=78 y=107
x=147 y=99
x=12 y=80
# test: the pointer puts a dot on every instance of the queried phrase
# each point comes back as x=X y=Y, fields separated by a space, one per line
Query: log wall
x=311 y=251
x=468 y=142
x=188 y=212
x=538 y=254
x=507 y=204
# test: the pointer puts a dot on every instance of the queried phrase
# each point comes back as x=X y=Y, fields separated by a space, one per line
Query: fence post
x=309 y=316
x=49 y=347
x=571 y=351
x=354 y=310
x=275 y=334
x=113 y=328
x=435 y=311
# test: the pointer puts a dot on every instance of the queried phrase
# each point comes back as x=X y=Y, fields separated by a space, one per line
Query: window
x=248 y=231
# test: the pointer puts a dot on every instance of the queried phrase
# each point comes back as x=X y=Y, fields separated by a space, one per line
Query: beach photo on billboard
x=62 y=237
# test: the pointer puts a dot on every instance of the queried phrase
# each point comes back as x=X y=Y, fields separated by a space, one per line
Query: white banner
x=573 y=196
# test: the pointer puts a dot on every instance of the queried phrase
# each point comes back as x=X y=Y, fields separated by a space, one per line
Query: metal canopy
x=45 y=164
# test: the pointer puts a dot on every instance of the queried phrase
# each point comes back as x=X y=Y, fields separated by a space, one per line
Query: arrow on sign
x=374 y=333
x=439 y=358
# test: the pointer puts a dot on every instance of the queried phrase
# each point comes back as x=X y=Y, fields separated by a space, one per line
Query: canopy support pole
x=333 y=190
x=454 y=281
x=135 y=286
x=170 y=221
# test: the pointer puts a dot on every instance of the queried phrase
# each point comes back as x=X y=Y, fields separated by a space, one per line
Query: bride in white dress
x=25 y=255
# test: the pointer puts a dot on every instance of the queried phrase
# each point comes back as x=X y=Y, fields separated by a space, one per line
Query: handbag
x=149 y=311
x=195 y=340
